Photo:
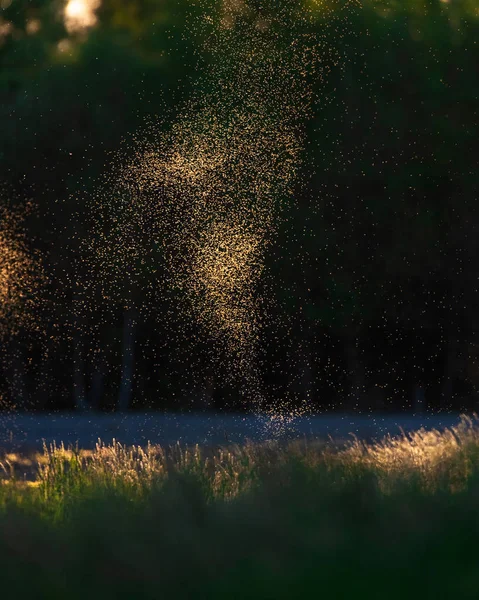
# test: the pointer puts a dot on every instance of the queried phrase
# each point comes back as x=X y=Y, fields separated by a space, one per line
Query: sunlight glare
x=80 y=14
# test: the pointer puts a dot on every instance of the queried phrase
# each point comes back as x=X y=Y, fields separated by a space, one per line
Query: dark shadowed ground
x=26 y=432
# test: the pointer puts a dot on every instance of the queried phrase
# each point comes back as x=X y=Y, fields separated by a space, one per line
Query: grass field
x=394 y=519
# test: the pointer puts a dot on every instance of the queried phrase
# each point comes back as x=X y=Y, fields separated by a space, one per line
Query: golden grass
x=430 y=456
x=433 y=458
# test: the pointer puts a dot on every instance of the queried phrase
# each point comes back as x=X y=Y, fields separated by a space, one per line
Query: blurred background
x=374 y=299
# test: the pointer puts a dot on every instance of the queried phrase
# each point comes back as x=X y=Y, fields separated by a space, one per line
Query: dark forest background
x=375 y=270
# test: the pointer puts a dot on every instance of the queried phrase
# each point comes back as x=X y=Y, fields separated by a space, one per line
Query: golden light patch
x=21 y=276
x=80 y=14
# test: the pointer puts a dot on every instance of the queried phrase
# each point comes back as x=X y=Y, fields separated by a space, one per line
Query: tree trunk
x=79 y=390
x=17 y=385
x=450 y=369
x=96 y=391
x=355 y=372
x=306 y=375
x=128 y=353
x=419 y=399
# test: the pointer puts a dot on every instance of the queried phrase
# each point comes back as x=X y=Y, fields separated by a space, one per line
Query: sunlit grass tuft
x=447 y=458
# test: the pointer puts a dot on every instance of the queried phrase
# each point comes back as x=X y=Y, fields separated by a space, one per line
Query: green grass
x=395 y=519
